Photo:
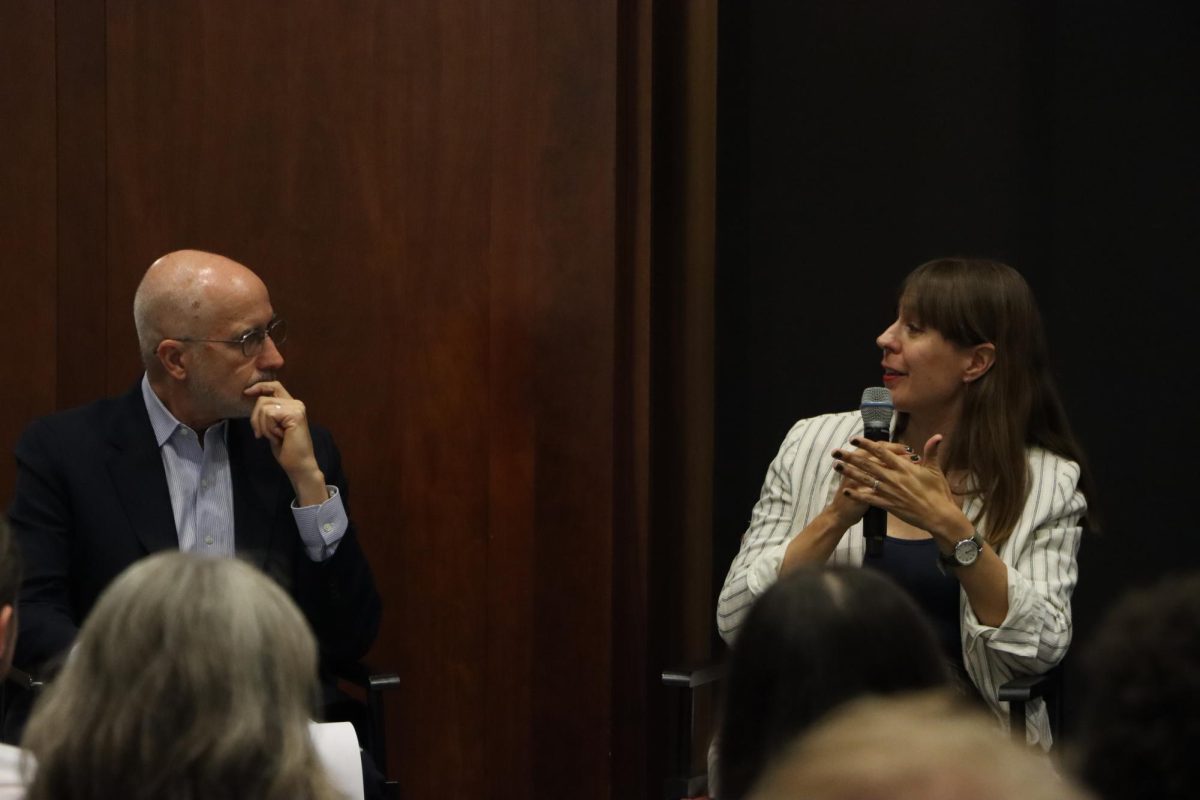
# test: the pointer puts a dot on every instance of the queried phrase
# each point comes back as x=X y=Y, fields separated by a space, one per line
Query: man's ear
x=983 y=356
x=7 y=629
x=171 y=356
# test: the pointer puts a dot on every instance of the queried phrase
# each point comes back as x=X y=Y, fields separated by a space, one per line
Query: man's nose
x=270 y=358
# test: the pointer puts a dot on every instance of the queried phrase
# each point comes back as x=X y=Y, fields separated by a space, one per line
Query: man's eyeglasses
x=251 y=341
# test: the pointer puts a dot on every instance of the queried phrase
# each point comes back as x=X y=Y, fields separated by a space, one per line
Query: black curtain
x=859 y=139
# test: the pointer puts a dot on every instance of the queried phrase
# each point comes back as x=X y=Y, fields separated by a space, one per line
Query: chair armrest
x=683 y=778
x=693 y=677
x=365 y=676
x=25 y=680
x=374 y=682
x=1020 y=690
x=1026 y=687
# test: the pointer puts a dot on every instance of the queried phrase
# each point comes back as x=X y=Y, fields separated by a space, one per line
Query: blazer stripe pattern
x=1041 y=555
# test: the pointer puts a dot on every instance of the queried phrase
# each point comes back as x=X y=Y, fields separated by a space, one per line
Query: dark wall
x=857 y=140
x=27 y=221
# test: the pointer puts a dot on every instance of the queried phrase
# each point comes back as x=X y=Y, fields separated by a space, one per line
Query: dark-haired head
x=1016 y=403
x=10 y=566
x=10 y=582
x=1139 y=732
x=818 y=637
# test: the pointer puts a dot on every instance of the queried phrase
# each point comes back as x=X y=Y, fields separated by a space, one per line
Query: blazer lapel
x=256 y=488
x=138 y=477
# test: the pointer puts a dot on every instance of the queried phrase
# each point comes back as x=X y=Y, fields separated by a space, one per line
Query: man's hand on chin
x=283 y=420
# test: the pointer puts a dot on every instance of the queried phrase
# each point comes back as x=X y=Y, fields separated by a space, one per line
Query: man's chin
x=239 y=409
x=242 y=412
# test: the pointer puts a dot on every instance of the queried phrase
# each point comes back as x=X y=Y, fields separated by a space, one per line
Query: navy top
x=912 y=563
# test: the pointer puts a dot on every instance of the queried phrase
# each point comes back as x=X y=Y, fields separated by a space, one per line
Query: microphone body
x=876 y=411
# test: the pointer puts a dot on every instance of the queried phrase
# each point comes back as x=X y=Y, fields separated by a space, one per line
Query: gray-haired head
x=192 y=677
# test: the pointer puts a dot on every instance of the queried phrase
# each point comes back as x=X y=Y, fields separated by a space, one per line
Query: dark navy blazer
x=91 y=498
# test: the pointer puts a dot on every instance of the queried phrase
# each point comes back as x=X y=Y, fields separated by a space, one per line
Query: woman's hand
x=845 y=508
x=913 y=488
x=817 y=541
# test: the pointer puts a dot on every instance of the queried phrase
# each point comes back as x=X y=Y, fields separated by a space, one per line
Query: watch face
x=966 y=551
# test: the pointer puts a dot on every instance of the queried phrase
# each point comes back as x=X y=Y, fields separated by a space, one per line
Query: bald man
x=207 y=453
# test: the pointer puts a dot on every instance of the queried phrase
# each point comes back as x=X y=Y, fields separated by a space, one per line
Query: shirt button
x=208 y=540
x=327 y=527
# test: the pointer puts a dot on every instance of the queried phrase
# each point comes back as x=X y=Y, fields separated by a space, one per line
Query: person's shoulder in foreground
x=16 y=766
x=1140 y=728
x=923 y=746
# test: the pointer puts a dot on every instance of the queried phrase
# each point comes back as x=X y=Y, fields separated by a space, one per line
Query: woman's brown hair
x=1016 y=403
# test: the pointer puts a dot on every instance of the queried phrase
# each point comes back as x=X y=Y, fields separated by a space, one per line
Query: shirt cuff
x=323 y=526
x=1020 y=632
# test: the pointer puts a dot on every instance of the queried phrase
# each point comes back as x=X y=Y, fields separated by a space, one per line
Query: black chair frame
x=682 y=781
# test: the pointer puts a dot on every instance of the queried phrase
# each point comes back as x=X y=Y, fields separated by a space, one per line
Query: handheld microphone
x=876 y=411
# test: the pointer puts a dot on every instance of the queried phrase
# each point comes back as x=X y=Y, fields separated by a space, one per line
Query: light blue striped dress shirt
x=201 y=486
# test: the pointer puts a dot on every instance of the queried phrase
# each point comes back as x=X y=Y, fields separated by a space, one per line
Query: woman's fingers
x=860 y=477
x=931 y=449
x=879 y=472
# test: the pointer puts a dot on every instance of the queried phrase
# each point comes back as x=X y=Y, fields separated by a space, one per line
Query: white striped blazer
x=1040 y=555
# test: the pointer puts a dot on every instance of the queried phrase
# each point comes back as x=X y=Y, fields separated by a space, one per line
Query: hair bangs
x=943 y=295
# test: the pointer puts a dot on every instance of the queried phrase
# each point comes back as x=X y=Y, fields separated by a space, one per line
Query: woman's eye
x=912 y=327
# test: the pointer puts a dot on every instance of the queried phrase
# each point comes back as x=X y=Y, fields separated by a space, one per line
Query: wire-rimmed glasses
x=251 y=341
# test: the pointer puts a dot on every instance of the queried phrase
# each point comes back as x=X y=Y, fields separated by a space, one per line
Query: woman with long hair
x=983 y=483
x=818 y=637
x=192 y=678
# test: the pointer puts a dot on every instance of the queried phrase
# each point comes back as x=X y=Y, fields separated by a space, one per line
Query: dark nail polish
x=916 y=458
x=907 y=449
x=837 y=454
x=846 y=492
x=837 y=467
x=856 y=442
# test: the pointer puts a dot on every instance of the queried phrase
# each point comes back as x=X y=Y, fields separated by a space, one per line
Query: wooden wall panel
x=450 y=203
x=575 y=370
x=83 y=267
x=636 y=665
x=27 y=221
x=513 y=454
x=430 y=192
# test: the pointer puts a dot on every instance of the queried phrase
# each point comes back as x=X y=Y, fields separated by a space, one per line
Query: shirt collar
x=162 y=420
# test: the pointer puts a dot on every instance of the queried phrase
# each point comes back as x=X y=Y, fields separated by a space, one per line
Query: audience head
x=923 y=746
x=10 y=582
x=816 y=638
x=193 y=677
x=1141 y=725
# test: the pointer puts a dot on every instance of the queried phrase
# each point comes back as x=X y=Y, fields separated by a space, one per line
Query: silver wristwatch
x=964 y=554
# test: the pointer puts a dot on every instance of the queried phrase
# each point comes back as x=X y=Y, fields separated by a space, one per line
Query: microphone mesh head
x=876 y=407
